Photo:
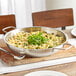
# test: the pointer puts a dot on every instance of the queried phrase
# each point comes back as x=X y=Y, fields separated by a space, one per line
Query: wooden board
x=11 y=61
x=68 y=68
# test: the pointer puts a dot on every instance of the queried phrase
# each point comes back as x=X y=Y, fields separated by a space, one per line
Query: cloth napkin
x=8 y=69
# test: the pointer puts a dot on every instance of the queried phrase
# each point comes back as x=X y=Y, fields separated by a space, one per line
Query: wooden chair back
x=53 y=18
x=7 y=20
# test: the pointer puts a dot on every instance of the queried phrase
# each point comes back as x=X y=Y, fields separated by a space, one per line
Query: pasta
x=35 y=40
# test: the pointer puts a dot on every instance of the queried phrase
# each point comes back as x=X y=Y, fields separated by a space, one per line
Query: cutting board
x=8 y=59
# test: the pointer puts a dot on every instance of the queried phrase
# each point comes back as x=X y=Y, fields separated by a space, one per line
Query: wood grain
x=68 y=68
x=53 y=18
x=11 y=61
x=6 y=20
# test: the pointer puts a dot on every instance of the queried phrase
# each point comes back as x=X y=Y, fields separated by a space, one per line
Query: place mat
x=8 y=59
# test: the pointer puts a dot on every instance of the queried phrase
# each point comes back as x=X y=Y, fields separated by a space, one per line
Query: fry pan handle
x=7 y=28
x=63 y=47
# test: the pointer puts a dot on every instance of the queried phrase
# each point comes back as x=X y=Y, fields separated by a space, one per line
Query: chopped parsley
x=37 y=39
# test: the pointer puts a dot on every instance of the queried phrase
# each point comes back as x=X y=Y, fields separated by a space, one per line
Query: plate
x=45 y=73
x=73 y=31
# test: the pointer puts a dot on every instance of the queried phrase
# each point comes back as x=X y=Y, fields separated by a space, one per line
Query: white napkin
x=8 y=69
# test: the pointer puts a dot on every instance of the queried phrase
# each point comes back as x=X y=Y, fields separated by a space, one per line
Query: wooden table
x=68 y=68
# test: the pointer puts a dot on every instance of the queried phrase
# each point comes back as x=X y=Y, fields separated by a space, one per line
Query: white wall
x=3 y=7
x=6 y=7
x=38 y=5
x=59 y=4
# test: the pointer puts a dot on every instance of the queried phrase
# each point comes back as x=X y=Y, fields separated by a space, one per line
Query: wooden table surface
x=68 y=68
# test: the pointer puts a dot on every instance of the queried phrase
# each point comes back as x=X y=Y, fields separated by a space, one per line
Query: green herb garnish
x=37 y=39
x=25 y=44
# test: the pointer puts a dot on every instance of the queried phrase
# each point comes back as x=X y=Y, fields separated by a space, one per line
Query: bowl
x=35 y=52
